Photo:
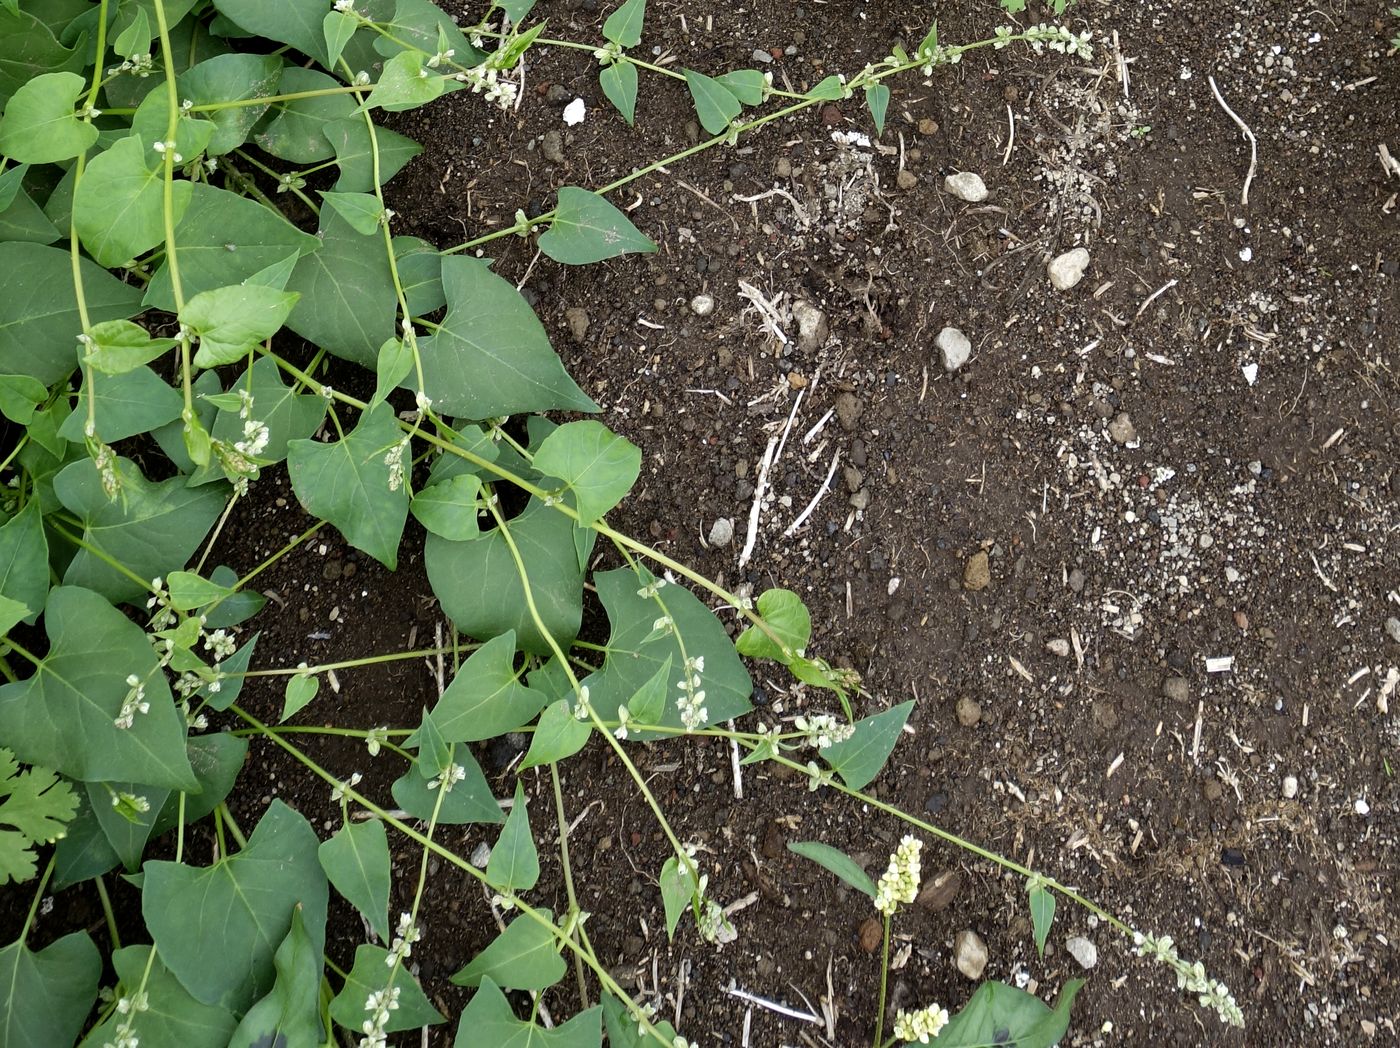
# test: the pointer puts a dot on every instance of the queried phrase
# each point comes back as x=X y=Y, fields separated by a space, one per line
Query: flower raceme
x=900 y=881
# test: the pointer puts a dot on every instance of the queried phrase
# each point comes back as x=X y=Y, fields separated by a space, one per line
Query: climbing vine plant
x=194 y=244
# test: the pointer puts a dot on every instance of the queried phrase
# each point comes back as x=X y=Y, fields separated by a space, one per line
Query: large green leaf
x=238 y=910
x=173 y=1018
x=999 y=1014
x=449 y=508
x=347 y=483
x=347 y=293
x=63 y=716
x=486 y=698
x=599 y=466
x=233 y=77
x=290 y=1014
x=420 y=272
x=29 y=49
x=587 y=228
x=296 y=130
x=523 y=957
x=370 y=975
x=417 y=24
x=119 y=346
x=356 y=859
x=747 y=85
x=118 y=206
x=84 y=852
x=515 y=863
x=39 y=321
x=715 y=104
x=479 y=586
x=470 y=800
x=40 y=125
x=488 y=1019
x=295 y=22
x=45 y=997
x=859 y=759
x=225 y=239
x=354 y=153
x=136 y=401
x=152 y=529
x=230 y=321
x=24 y=560
x=491 y=356
x=637 y=650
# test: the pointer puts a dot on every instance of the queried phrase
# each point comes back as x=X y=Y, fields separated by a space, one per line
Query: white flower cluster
x=130 y=805
x=921 y=1026
x=900 y=882
x=1062 y=39
x=582 y=709
x=342 y=790
x=454 y=774
x=128 y=1008
x=136 y=65
x=394 y=460
x=376 y=738
x=158 y=603
x=823 y=729
x=379 y=1004
x=105 y=459
x=221 y=643
x=1211 y=993
x=624 y=717
x=343 y=6
x=485 y=80
x=406 y=935
x=714 y=925
x=134 y=703
x=692 y=700
x=651 y=589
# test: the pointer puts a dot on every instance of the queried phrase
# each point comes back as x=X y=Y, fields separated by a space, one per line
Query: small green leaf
x=151 y=123
x=300 y=690
x=405 y=83
x=135 y=39
x=747 y=85
x=356 y=859
x=420 y=273
x=514 y=864
x=619 y=84
x=516 y=10
x=648 y=703
x=125 y=404
x=118 y=207
x=624 y=26
x=489 y=1020
x=449 y=509
x=859 y=759
x=677 y=890
x=346 y=482
x=394 y=362
x=125 y=825
x=830 y=89
x=715 y=104
x=1001 y=1014
x=558 y=735
x=231 y=321
x=586 y=228
x=523 y=957
x=337 y=28
x=362 y=210
x=189 y=591
x=485 y=698
x=290 y=1013
x=598 y=466
x=45 y=997
x=370 y=975
x=40 y=125
x=19 y=396
x=789 y=620
x=623 y=1029
x=295 y=129
x=838 y=862
x=877 y=97
x=233 y=77
x=1042 y=902
x=298 y=24
x=24 y=560
x=434 y=751
x=119 y=346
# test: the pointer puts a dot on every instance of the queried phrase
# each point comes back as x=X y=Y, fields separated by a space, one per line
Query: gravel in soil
x=1134 y=557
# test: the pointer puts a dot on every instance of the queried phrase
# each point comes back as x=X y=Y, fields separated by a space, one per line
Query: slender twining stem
x=38 y=895
x=600 y=972
x=568 y=874
x=107 y=913
x=884 y=979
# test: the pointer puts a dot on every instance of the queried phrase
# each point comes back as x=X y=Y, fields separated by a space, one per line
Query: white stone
x=955 y=348
x=1290 y=787
x=812 y=327
x=722 y=532
x=1059 y=646
x=970 y=954
x=1068 y=269
x=1083 y=951
x=965 y=185
x=574 y=112
x=1361 y=807
x=702 y=305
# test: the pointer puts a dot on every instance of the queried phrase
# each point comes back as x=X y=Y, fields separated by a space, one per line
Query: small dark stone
x=936 y=803
x=1232 y=857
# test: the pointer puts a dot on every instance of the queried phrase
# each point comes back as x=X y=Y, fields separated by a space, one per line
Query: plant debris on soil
x=1130 y=542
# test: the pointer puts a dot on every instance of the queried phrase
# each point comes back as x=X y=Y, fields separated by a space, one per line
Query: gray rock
x=1059 y=646
x=1177 y=689
x=812 y=327
x=965 y=185
x=969 y=712
x=848 y=410
x=954 y=347
x=1083 y=951
x=1121 y=429
x=1068 y=269
x=702 y=305
x=1076 y=580
x=762 y=56
x=481 y=856
x=558 y=94
x=577 y=319
x=552 y=147
x=721 y=532
x=970 y=954
x=1392 y=626
x=860 y=500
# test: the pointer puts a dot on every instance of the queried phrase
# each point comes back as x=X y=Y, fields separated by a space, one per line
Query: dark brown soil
x=1248 y=518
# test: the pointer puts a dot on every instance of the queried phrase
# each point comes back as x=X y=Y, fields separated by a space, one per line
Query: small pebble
x=1290 y=787
x=965 y=185
x=939 y=891
x=1177 y=689
x=871 y=933
x=906 y=179
x=577 y=319
x=481 y=856
x=812 y=327
x=552 y=147
x=978 y=572
x=1083 y=951
x=969 y=712
x=1058 y=646
x=702 y=305
x=1068 y=269
x=1361 y=807
x=1392 y=627
x=954 y=347
x=1121 y=429
x=970 y=954
x=928 y=126
x=721 y=532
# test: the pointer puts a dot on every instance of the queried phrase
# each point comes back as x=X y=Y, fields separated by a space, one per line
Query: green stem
x=38 y=895
x=568 y=875
x=107 y=913
x=349 y=664
x=884 y=978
